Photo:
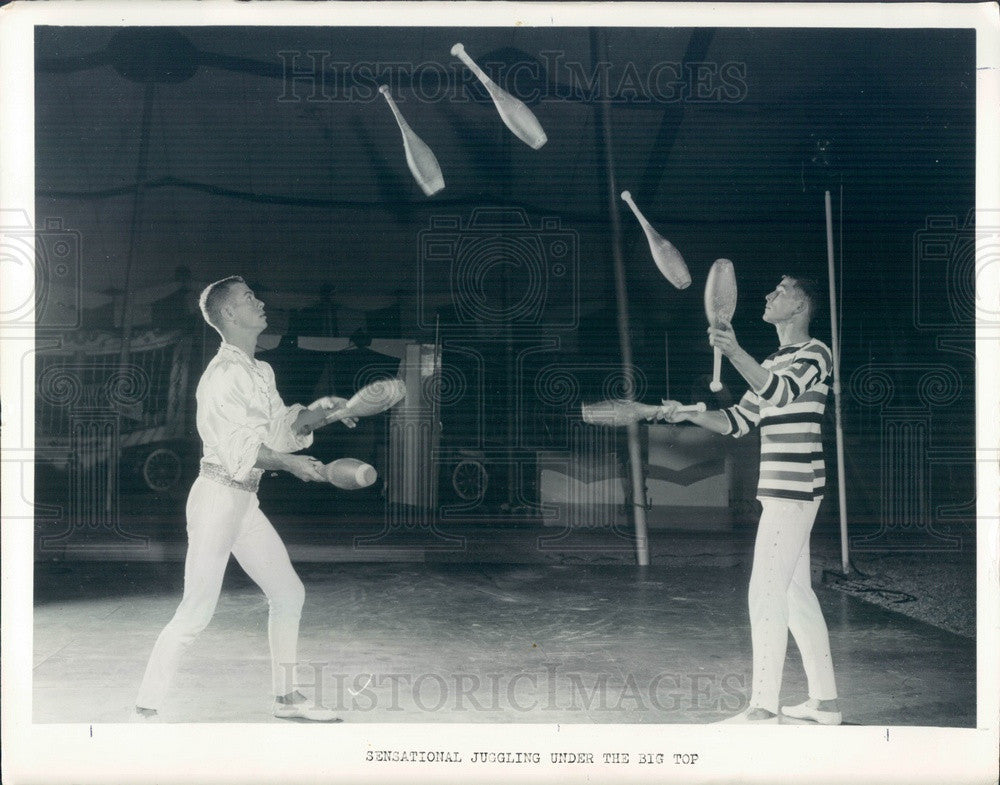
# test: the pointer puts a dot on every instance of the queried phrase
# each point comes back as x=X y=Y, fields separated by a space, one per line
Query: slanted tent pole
x=603 y=112
x=148 y=96
x=835 y=335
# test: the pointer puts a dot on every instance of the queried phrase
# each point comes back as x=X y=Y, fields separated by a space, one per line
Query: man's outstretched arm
x=715 y=420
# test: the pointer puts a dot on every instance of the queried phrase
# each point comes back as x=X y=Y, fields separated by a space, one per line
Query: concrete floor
x=476 y=642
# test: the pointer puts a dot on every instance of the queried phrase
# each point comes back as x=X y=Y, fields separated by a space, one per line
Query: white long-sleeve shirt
x=239 y=409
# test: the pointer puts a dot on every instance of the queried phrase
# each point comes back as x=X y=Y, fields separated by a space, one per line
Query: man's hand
x=715 y=421
x=668 y=412
x=305 y=467
x=724 y=338
x=330 y=404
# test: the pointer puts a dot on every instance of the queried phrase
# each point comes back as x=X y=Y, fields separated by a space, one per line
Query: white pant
x=223 y=520
x=781 y=599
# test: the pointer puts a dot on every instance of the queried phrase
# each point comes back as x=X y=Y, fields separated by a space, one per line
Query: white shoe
x=809 y=710
x=745 y=718
x=300 y=711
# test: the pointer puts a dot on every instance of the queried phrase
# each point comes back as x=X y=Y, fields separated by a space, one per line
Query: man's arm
x=305 y=467
x=812 y=365
x=237 y=439
x=315 y=417
x=715 y=421
x=723 y=337
x=735 y=421
x=291 y=430
x=309 y=420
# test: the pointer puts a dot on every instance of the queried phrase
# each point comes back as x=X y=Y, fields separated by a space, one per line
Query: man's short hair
x=810 y=289
x=212 y=298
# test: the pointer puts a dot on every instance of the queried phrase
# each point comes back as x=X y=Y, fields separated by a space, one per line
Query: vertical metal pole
x=511 y=395
x=666 y=363
x=621 y=296
x=835 y=335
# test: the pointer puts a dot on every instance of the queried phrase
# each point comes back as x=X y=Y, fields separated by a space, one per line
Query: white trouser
x=781 y=599
x=223 y=520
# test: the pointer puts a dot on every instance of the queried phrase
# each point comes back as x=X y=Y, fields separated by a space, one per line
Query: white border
x=244 y=753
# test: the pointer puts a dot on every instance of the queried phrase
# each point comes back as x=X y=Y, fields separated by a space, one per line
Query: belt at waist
x=216 y=473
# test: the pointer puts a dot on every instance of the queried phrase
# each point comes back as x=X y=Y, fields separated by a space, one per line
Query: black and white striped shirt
x=789 y=411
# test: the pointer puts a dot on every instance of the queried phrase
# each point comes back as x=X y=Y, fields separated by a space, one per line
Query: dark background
x=192 y=148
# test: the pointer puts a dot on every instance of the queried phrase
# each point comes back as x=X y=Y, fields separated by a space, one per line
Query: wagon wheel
x=161 y=469
x=469 y=479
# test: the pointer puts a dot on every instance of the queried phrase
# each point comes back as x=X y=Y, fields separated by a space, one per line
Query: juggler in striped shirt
x=788 y=409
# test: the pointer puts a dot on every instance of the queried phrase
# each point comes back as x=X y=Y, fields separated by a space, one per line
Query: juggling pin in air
x=371 y=399
x=617 y=413
x=668 y=259
x=720 y=305
x=349 y=473
x=516 y=116
x=419 y=157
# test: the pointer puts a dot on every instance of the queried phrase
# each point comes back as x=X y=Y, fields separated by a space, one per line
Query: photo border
x=269 y=753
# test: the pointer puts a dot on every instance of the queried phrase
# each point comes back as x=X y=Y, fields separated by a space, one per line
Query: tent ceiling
x=242 y=171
